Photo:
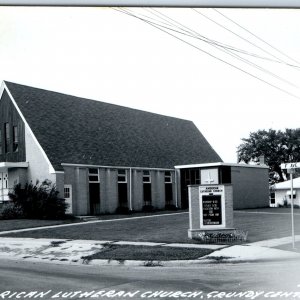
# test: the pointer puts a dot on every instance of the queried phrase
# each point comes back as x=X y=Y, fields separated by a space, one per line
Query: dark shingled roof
x=82 y=131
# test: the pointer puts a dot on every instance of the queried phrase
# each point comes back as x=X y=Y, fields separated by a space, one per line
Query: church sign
x=212 y=206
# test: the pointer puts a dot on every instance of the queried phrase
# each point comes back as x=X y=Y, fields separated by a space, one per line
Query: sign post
x=291 y=169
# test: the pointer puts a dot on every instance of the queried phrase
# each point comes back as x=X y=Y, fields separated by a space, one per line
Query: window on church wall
x=122 y=176
x=168 y=177
x=94 y=175
x=146 y=177
x=1 y=142
x=147 y=188
x=66 y=192
x=7 y=137
x=15 y=139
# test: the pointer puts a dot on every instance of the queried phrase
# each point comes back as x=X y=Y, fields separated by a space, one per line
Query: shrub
x=10 y=211
x=39 y=201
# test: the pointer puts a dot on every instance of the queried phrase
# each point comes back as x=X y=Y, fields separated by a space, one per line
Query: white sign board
x=295 y=165
x=209 y=176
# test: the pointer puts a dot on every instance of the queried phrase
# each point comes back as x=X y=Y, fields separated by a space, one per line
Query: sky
x=107 y=55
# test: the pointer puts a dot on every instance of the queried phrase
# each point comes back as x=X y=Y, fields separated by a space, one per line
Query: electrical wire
x=225 y=45
x=209 y=54
x=220 y=48
x=242 y=38
x=260 y=39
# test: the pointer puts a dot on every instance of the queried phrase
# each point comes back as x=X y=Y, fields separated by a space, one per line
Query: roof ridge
x=99 y=101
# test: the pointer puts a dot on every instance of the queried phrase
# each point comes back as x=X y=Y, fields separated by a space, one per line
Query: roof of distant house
x=82 y=131
x=287 y=184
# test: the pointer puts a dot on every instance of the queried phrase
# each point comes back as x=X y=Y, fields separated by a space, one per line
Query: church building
x=101 y=157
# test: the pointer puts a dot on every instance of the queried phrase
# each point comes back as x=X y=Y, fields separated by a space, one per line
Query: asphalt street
x=27 y=280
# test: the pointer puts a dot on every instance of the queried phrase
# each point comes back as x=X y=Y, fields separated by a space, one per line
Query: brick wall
x=229 y=206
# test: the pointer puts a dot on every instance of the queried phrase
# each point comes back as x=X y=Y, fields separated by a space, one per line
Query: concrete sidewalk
x=71 y=252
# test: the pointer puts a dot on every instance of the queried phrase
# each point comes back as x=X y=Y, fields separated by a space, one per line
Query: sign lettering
x=212 y=210
x=294 y=165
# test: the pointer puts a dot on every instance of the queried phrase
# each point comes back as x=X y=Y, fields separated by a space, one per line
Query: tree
x=276 y=146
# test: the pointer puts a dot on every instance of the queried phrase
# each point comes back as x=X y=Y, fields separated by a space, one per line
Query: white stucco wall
x=281 y=196
x=38 y=165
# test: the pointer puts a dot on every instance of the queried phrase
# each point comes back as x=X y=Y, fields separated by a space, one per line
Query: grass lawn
x=6 y=225
x=261 y=224
x=148 y=253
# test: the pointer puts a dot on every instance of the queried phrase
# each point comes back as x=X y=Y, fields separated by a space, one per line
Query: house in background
x=100 y=156
x=280 y=194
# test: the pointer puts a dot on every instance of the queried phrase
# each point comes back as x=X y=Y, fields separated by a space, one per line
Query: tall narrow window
x=147 y=189
x=1 y=142
x=7 y=137
x=94 y=190
x=122 y=190
x=15 y=139
x=168 y=188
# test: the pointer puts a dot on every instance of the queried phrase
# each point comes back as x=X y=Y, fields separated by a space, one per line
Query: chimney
x=262 y=160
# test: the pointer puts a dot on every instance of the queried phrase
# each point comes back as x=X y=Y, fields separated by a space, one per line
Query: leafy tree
x=276 y=146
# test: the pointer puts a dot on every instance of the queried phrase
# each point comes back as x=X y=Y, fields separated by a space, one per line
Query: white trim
x=14 y=165
x=220 y=164
x=113 y=167
x=51 y=169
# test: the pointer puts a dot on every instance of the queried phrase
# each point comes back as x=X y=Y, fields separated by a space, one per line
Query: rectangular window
x=66 y=192
x=7 y=137
x=94 y=175
x=15 y=139
x=146 y=177
x=272 y=197
x=168 y=177
x=0 y=141
x=122 y=176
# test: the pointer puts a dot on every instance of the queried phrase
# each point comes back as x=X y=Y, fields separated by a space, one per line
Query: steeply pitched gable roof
x=81 y=131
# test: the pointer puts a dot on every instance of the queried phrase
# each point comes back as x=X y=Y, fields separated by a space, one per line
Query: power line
x=253 y=44
x=222 y=44
x=219 y=47
x=211 y=55
x=260 y=39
